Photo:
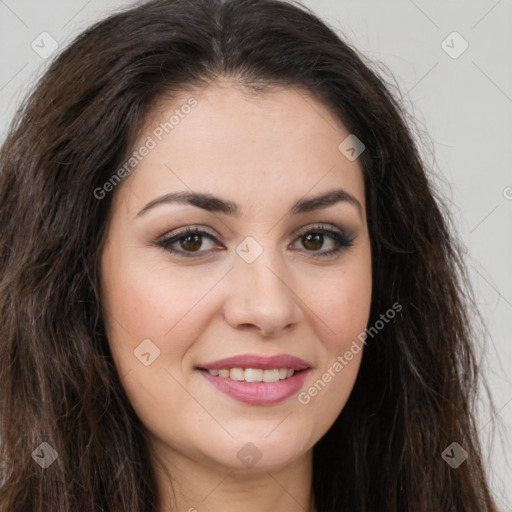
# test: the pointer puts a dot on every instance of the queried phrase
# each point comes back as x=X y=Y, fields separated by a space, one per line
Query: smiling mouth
x=254 y=374
x=257 y=386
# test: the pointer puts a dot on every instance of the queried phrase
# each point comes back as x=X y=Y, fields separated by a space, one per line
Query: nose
x=262 y=297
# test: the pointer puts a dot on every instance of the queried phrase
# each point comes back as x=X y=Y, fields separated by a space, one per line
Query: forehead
x=274 y=144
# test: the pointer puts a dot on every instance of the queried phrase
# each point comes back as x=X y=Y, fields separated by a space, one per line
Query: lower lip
x=258 y=393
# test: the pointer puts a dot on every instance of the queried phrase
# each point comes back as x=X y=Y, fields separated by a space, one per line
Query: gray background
x=463 y=106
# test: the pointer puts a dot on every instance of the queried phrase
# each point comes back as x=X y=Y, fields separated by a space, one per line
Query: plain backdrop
x=451 y=62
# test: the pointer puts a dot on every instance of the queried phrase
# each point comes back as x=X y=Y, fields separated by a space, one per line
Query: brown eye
x=313 y=242
x=314 y=239
x=190 y=241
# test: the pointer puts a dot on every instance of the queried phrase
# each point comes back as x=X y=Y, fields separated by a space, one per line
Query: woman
x=226 y=280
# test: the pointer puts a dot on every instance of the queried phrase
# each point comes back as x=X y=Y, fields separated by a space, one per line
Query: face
x=268 y=276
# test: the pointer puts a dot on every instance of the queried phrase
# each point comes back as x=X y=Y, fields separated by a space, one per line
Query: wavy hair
x=416 y=387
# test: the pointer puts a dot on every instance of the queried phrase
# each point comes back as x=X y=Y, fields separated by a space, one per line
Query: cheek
x=144 y=302
x=342 y=302
x=145 y=298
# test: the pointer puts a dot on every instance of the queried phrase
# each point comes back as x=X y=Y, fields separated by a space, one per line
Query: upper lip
x=257 y=362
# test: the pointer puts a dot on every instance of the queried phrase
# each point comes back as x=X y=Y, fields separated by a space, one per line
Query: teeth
x=271 y=375
x=254 y=374
x=236 y=374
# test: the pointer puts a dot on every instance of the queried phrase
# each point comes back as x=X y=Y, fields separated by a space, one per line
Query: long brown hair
x=415 y=390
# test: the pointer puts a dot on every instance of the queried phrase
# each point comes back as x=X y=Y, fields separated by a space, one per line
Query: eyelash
x=340 y=238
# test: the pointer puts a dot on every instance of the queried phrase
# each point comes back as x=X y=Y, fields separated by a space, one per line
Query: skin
x=263 y=152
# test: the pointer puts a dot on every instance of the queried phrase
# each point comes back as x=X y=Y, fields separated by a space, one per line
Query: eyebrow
x=215 y=204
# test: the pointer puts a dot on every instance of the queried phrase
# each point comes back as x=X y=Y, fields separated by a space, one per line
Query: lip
x=258 y=362
x=258 y=393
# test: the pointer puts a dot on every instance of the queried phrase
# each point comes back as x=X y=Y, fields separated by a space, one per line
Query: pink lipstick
x=255 y=379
